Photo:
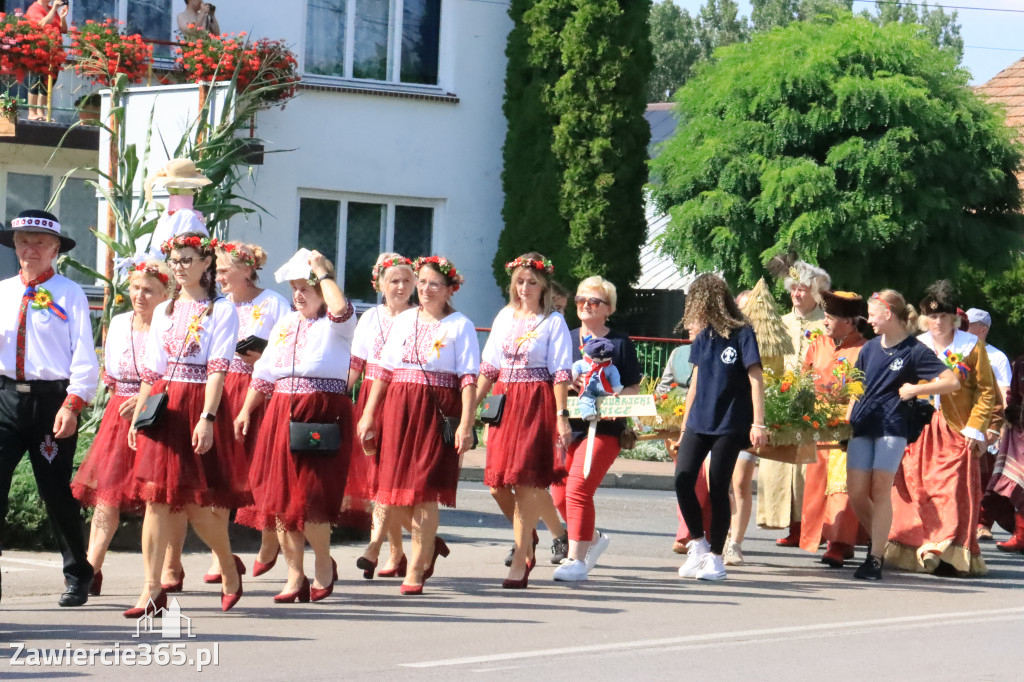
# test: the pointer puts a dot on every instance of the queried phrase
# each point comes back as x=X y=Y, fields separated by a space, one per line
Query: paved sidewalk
x=625 y=473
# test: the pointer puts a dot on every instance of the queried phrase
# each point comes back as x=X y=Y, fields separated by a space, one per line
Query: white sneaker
x=711 y=568
x=733 y=554
x=571 y=570
x=597 y=548
x=695 y=551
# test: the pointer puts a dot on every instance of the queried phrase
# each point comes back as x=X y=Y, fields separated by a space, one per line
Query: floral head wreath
x=381 y=268
x=545 y=265
x=152 y=271
x=200 y=244
x=445 y=266
x=238 y=253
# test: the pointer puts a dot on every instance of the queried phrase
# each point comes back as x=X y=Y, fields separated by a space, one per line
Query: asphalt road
x=783 y=615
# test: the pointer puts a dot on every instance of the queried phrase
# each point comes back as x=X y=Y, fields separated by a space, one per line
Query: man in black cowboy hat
x=48 y=372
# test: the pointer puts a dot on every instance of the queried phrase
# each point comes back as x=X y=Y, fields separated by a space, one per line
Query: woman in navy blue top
x=724 y=414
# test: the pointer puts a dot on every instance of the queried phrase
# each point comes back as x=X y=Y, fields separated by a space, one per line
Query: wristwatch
x=562 y=413
x=208 y=416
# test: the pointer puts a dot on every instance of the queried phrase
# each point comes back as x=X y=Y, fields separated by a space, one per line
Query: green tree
x=676 y=50
x=941 y=28
x=721 y=25
x=532 y=176
x=859 y=147
x=768 y=14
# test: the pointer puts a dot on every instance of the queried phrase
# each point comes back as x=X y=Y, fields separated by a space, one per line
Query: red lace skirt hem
x=523 y=450
x=105 y=477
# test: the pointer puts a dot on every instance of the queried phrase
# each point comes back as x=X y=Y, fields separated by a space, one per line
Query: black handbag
x=494 y=406
x=310 y=438
x=449 y=425
x=919 y=415
x=251 y=343
x=155 y=405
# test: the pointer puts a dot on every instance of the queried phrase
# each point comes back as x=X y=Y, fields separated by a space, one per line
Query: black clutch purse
x=919 y=415
x=449 y=425
x=314 y=439
x=492 y=410
x=251 y=343
x=152 y=410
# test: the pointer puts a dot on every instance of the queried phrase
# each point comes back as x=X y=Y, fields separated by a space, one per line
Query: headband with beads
x=445 y=266
x=545 y=265
x=382 y=267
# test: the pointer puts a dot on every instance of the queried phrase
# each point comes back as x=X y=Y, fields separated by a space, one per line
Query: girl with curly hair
x=724 y=414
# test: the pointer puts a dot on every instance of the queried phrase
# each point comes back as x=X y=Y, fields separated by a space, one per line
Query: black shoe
x=76 y=594
x=511 y=553
x=559 y=549
x=871 y=569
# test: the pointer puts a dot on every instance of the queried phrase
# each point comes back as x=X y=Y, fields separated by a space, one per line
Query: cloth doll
x=600 y=377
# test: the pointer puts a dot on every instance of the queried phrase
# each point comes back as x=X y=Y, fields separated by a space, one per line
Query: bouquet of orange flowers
x=800 y=408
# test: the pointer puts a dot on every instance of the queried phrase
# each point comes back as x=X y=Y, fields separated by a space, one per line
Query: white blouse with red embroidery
x=371 y=334
x=124 y=355
x=532 y=348
x=447 y=349
x=321 y=347
x=188 y=345
x=256 y=318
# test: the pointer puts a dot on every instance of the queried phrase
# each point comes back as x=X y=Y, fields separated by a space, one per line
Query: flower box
x=8 y=126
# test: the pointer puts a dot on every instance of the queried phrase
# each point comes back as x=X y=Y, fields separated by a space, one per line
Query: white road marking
x=31 y=562
x=673 y=643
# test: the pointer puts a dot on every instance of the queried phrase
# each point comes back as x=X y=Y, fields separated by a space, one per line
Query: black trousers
x=693 y=449
x=26 y=425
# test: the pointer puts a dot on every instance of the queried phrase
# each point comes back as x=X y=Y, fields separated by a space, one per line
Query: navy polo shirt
x=880 y=412
x=723 y=404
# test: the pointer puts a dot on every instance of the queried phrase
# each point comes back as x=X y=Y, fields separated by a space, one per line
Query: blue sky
x=981 y=31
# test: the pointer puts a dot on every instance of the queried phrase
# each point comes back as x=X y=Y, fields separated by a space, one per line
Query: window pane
x=325 y=37
x=363 y=243
x=23 y=192
x=14 y=5
x=318 y=226
x=371 y=41
x=77 y=212
x=97 y=10
x=421 y=29
x=151 y=19
x=414 y=226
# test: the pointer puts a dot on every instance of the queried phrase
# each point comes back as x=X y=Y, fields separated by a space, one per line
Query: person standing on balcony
x=44 y=13
x=198 y=18
x=780 y=485
x=527 y=359
x=105 y=478
x=595 y=302
x=48 y=372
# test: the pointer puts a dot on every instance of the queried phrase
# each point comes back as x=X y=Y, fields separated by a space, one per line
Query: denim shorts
x=883 y=453
x=746 y=456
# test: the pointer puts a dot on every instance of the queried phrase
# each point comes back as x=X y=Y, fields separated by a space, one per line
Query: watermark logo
x=171 y=621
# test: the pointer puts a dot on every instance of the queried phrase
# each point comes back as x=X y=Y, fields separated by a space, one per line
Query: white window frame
x=388 y=200
x=394 y=80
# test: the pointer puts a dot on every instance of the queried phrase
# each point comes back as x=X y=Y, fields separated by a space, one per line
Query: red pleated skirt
x=105 y=477
x=523 y=450
x=362 y=470
x=290 y=490
x=167 y=468
x=415 y=464
x=236 y=387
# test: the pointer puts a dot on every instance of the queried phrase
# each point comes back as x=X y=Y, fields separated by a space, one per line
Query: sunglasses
x=592 y=302
x=877 y=297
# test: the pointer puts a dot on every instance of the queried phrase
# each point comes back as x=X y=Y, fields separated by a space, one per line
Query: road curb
x=611 y=480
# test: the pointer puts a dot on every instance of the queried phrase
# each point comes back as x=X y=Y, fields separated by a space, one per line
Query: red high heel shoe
x=259 y=568
x=520 y=584
x=399 y=570
x=227 y=601
x=440 y=548
x=410 y=590
x=178 y=586
x=318 y=593
x=302 y=594
x=367 y=567
x=97 y=584
x=152 y=607
x=216 y=578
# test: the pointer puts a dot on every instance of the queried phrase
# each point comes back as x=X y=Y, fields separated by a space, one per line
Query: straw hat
x=177 y=174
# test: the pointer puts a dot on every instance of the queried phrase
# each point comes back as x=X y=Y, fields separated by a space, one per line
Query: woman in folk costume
x=527 y=359
x=188 y=467
x=105 y=478
x=393 y=277
x=827 y=514
x=1004 y=500
x=429 y=369
x=297 y=487
x=780 y=485
x=937 y=493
